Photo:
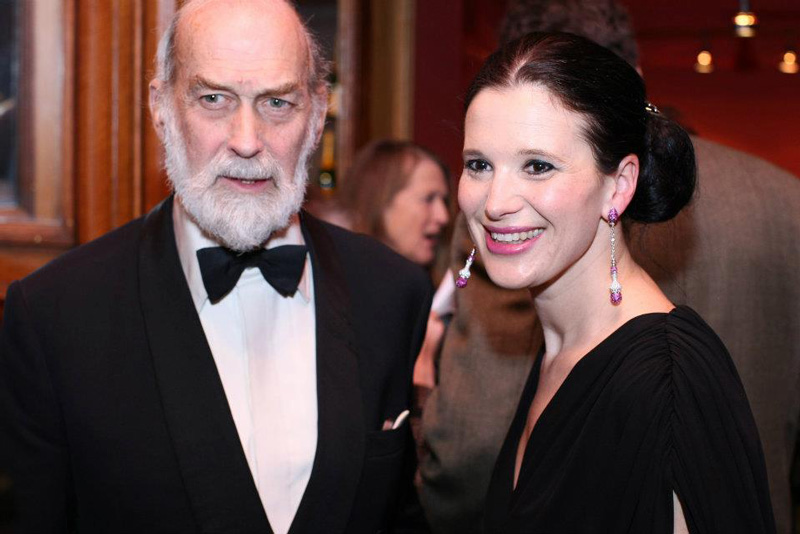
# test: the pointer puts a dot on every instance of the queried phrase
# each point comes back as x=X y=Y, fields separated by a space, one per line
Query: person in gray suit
x=732 y=255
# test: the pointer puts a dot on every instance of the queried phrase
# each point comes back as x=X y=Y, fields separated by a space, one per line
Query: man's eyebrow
x=284 y=89
x=202 y=83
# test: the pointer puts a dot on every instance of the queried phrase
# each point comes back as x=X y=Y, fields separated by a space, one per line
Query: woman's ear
x=625 y=179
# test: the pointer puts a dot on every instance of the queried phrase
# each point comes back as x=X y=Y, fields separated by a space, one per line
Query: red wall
x=746 y=103
x=438 y=78
x=453 y=38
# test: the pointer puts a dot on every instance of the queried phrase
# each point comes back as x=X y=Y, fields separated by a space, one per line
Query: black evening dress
x=656 y=407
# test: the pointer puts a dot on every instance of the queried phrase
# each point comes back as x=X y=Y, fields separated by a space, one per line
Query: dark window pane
x=9 y=101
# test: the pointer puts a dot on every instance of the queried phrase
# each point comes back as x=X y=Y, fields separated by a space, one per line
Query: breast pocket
x=386 y=442
x=381 y=479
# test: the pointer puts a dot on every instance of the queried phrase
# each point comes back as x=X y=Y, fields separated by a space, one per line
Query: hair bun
x=667 y=173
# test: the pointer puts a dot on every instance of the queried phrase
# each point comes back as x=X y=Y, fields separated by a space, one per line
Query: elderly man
x=226 y=363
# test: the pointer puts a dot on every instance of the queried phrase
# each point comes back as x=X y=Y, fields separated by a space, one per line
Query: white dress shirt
x=264 y=347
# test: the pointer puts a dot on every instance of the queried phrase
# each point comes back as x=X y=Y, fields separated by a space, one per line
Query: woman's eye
x=538 y=167
x=477 y=165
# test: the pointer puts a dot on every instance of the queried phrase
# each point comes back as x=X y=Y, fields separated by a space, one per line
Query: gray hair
x=318 y=66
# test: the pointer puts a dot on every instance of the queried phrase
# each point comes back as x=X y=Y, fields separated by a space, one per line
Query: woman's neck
x=576 y=312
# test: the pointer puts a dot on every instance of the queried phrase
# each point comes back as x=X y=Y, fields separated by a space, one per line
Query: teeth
x=516 y=237
x=242 y=179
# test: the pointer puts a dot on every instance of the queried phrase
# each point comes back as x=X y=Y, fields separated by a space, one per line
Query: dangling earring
x=464 y=274
x=616 y=288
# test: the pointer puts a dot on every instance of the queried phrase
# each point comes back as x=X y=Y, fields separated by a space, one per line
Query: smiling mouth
x=515 y=238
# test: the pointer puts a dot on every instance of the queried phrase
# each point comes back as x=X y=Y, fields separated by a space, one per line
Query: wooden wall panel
x=38 y=223
x=118 y=158
x=376 y=43
x=43 y=207
x=156 y=16
x=391 y=74
x=351 y=122
x=94 y=117
x=91 y=158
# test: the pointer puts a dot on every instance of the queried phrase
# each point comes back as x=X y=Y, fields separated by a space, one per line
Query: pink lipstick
x=510 y=239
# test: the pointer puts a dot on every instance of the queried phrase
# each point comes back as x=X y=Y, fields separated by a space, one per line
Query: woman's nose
x=501 y=199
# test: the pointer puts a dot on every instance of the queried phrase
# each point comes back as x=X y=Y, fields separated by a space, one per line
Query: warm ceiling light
x=789 y=64
x=745 y=22
x=705 y=62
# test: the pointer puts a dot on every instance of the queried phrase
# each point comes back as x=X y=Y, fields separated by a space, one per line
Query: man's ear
x=625 y=179
x=318 y=122
x=157 y=94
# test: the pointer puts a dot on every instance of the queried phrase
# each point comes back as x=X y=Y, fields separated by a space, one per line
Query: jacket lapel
x=214 y=468
x=331 y=490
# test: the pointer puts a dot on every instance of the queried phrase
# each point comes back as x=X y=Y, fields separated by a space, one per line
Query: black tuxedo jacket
x=115 y=417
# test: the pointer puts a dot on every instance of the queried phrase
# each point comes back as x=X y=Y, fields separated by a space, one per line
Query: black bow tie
x=221 y=268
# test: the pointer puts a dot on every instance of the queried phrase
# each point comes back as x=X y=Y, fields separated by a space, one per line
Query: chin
x=423 y=259
x=506 y=283
x=508 y=279
x=240 y=221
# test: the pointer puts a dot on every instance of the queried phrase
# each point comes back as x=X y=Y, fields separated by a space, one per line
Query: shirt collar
x=189 y=238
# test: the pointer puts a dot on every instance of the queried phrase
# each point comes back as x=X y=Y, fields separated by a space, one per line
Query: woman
x=397 y=192
x=633 y=418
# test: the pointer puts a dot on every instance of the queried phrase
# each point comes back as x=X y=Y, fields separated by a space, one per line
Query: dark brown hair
x=380 y=170
x=609 y=93
x=605 y=22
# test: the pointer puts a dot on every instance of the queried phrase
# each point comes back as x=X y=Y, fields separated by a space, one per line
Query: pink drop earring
x=464 y=274
x=615 y=288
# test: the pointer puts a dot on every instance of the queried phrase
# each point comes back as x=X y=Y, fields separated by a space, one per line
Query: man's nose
x=245 y=138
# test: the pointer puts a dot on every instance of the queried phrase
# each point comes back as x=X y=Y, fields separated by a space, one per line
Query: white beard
x=237 y=220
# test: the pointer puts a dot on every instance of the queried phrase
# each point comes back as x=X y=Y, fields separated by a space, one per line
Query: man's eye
x=212 y=99
x=277 y=103
x=477 y=165
x=538 y=167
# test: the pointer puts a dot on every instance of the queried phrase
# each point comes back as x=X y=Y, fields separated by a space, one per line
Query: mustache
x=245 y=169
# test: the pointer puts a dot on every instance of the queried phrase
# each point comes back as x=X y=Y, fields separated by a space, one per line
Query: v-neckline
x=532 y=385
